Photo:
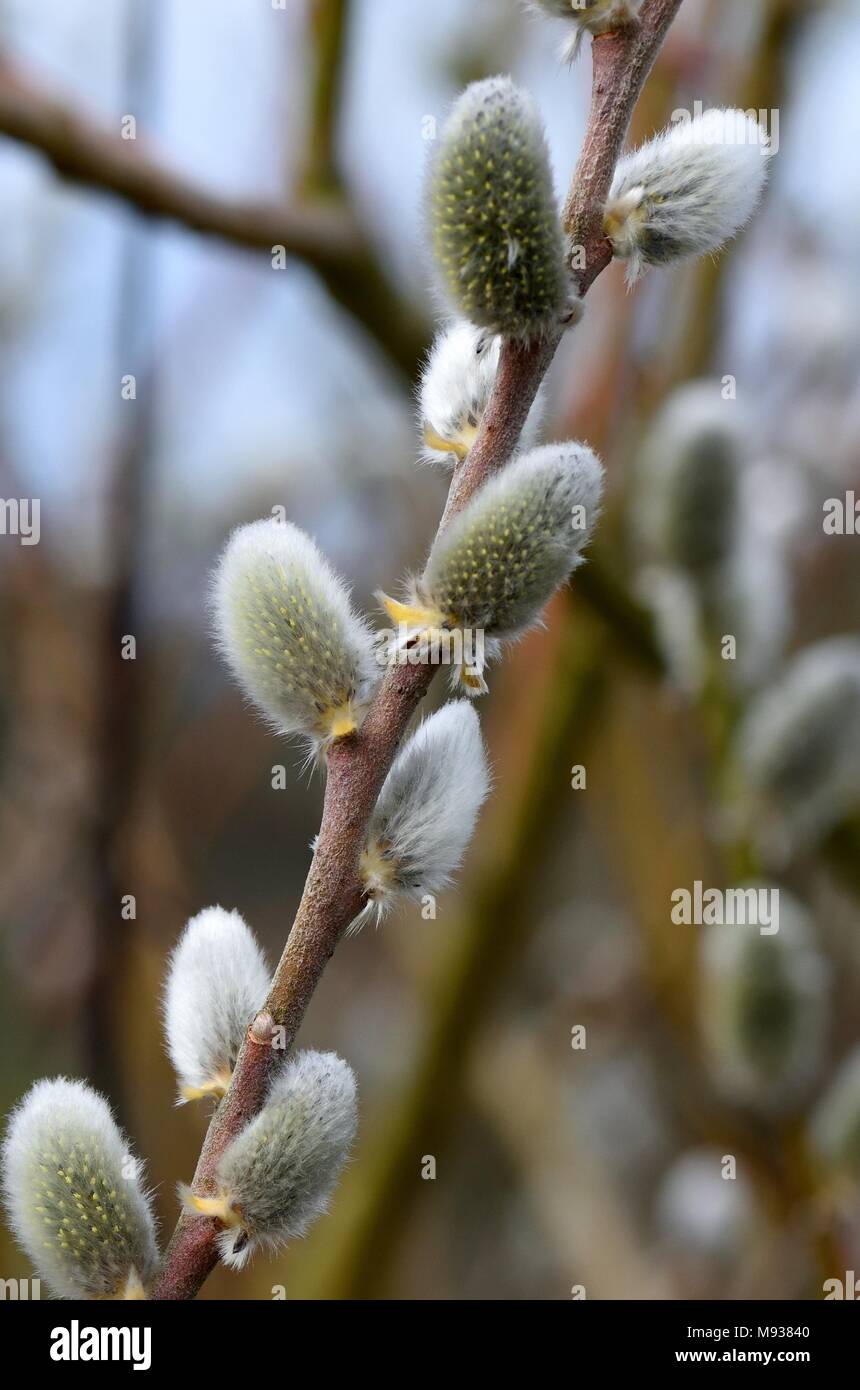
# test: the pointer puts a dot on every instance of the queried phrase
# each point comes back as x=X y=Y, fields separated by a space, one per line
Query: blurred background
x=164 y=377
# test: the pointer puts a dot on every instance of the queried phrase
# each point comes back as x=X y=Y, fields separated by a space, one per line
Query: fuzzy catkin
x=687 y=503
x=835 y=1124
x=688 y=191
x=589 y=17
x=456 y=384
x=492 y=214
x=799 y=744
x=763 y=1008
x=519 y=538
x=287 y=629
x=73 y=1194
x=276 y=1177
x=427 y=809
x=217 y=981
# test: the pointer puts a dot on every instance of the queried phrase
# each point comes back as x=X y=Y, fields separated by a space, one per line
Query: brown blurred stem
x=357 y=766
x=324 y=233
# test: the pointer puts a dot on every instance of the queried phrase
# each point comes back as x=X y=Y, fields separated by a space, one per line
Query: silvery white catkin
x=492 y=215
x=286 y=626
x=589 y=16
x=426 y=812
x=688 y=191
x=799 y=745
x=73 y=1194
x=688 y=476
x=502 y=558
x=455 y=388
x=763 y=1005
x=835 y=1124
x=277 y=1176
x=216 y=982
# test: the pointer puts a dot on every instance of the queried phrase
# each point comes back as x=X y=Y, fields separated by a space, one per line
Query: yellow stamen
x=375 y=870
x=341 y=721
x=459 y=447
x=412 y=615
x=216 y=1087
x=219 y=1207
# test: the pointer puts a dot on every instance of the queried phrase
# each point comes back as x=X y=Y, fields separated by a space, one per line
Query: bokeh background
x=258 y=387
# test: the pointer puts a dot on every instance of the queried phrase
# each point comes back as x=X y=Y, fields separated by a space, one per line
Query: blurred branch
x=357 y=766
x=323 y=234
x=329 y=19
x=358 y=1251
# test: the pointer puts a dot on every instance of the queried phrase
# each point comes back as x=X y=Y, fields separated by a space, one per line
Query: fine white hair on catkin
x=500 y=561
x=217 y=980
x=456 y=383
x=688 y=191
x=492 y=215
x=74 y=1195
x=277 y=1176
x=427 y=809
x=588 y=17
x=289 y=633
x=493 y=569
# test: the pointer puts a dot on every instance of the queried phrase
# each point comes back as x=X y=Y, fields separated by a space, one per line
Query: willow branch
x=322 y=233
x=357 y=766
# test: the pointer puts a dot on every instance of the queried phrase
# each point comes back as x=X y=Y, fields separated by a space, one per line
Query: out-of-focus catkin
x=286 y=626
x=763 y=1004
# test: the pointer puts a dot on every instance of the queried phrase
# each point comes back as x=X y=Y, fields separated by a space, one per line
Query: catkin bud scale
x=286 y=626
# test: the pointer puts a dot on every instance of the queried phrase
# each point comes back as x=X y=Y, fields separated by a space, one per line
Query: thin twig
x=357 y=766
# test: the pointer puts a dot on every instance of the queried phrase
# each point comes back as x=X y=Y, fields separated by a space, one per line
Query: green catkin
x=74 y=1197
x=493 y=219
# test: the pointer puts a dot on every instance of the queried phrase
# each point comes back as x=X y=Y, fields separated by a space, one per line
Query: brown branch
x=357 y=766
x=323 y=233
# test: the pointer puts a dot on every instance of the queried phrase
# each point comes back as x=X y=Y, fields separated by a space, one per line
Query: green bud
x=492 y=214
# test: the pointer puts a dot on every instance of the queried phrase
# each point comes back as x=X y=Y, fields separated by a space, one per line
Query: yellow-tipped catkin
x=493 y=219
x=289 y=633
x=688 y=191
x=494 y=568
x=456 y=384
x=276 y=1177
x=74 y=1196
x=216 y=981
x=426 y=812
